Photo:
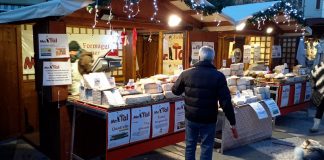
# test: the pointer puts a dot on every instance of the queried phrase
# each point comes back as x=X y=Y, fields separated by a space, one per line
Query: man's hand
x=234 y=132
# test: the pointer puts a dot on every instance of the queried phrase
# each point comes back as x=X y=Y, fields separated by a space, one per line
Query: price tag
x=224 y=63
x=233 y=59
x=273 y=107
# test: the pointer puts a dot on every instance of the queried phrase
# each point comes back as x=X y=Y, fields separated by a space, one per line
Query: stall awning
x=42 y=10
x=237 y=14
x=6 y=7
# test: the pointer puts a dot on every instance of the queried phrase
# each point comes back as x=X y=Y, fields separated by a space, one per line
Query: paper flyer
x=273 y=107
x=247 y=54
x=285 y=95
x=56 y=73
x=259 y=110
x=141 y=123
x=209 y=44
x=118 y=128
x=298 y=87
x=53 y=46
x=195 y=46
x=179 y=116
x=276 y=51
x=257 y=53
x=160 y=119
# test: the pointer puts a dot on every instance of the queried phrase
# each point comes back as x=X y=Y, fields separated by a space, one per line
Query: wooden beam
x=186 y=17
x=214 y=24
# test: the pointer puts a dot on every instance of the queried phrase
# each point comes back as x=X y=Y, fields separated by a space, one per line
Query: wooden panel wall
x=10 y=112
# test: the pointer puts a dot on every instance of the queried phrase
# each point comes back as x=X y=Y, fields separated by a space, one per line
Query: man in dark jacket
x=204 y=87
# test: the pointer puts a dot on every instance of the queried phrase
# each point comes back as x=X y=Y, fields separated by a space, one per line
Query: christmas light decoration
x=155 y=6
x=207 y=7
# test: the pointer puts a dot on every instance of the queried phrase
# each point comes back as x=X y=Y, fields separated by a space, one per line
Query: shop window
x=288 y=49
x=265 y=44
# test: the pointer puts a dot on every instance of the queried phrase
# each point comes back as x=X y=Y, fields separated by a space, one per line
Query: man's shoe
x=313 y=130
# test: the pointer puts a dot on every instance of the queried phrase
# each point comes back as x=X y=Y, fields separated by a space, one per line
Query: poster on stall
x=118 y=128
x=273 y=107
x=298 y=87
x=285 y=95
x=257 y=53
x=179 y=116
x=209 y=44
x=160 y=119
x=141 y=123
x=246 y=54
x=308 y=91
x=56 y=73
x=99 y=45
x=172 y=52
x=259 y=110
x=195 y=46
x=27 y=47
x=53 y=46
x=276 y=51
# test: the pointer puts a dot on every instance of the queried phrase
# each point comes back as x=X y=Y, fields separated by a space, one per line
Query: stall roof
x=239 y=13
x=41 y=10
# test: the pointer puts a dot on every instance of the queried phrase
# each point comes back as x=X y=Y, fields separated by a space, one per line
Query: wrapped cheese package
x=241 y=87
x=241 y=66
x=96 y=96
x=235 y=67
x=169 y=94
x=226 y=71
x=241 y=81
x=137 y=99
x=167 y=86
x=152 y=88
x=157 y=97
x=234 y=72
x=231 y=81
x=233 y=89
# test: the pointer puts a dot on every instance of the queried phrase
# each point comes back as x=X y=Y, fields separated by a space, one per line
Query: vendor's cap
x=74 y=46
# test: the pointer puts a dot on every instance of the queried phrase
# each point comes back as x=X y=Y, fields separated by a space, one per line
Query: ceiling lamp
x=241 y=26
x=269 y=30
x=174 y=20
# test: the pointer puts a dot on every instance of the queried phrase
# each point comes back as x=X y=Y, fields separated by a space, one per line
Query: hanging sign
x=161 y=119
x=173 y=49
x=298 y=87
x=118 y=128
x=209 y=44
x=53 y=46
x=273 y=107
x=141 y=124
x=285 y=96
x=257 y=53
x=27 y=46
x=276 y=51
x=195 y=46
x=56 y=73
x=247 y=54
x=259 y=110
x=308 y=91
x=179 y=116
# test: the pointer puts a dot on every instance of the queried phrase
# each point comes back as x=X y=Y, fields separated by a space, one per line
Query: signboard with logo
x=27 y=47
x=118 y=128
x=53 y=46
x=160 y=119
x=141 y=124
x=172 y=52
x=179 y=116
x=56 y=73
x=285 y=95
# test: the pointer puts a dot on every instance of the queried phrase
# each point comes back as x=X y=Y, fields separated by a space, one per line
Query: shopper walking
x=204 y=87
x=317 y=80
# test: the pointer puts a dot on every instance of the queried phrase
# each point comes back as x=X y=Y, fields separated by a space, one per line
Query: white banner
x=259 y=110
x=273 y=107
x=285 y=95
x=276 y=51
x=246 y=54
x=118 y=128
x=56 y=73
x=298 y=87
x=27 y=47
x=99 y=45
x=195 y=46
x=179 y=116
x=161 y=119
x=141 y=123
x=172 y=52
x=53 y=46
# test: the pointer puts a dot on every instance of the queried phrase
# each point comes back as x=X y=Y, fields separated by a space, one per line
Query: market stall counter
x=131 y=130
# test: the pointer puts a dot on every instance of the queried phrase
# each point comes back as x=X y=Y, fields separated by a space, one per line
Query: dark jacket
x=204 y=86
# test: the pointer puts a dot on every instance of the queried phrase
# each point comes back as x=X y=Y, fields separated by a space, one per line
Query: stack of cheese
x=237 y=69
x=236 y=84
x=262 y=92
x=226 y=71
x=137 y=99
x=245 y=97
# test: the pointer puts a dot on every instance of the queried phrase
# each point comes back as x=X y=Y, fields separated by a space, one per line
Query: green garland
x=218 y=5
x=280 y=7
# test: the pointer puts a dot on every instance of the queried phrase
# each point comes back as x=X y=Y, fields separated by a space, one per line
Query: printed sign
x=257 y=53
x=179 y=116
x=27 y=47
x=56 y=73
x=161 y=119
x=195 y=46
x=224 y=63
x=118 y=128
x=308 y=91
x=172 y=52
x=259 y=110
x=276 y=51
x=209 y=44
x=247 y=54
x=273 y=107
x=141 y=123
x=53 y=46
x=298 y=87
x=285 y=96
